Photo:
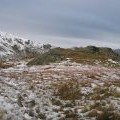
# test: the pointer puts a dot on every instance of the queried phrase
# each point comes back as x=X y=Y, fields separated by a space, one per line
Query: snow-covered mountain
x=10 y=45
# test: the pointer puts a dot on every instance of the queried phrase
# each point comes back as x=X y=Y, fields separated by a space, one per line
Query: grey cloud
x=63 y=21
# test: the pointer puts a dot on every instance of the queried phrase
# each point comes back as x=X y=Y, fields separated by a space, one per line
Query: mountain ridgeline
x=85 y=55
x=14 y=47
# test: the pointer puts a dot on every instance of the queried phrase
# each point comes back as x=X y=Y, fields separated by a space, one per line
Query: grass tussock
x=103 y=112
x=5 y=65
x=69 y=90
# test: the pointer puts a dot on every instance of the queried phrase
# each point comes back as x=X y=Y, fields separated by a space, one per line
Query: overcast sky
x=63 y=23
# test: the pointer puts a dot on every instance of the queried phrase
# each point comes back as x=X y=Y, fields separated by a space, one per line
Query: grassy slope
x=86 y=55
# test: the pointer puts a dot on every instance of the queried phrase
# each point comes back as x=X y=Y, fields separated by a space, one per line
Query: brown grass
x=5 y=65
x=69 y=90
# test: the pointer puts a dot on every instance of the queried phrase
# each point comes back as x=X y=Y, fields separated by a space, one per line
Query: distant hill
x=85 y=55
x=117 y=51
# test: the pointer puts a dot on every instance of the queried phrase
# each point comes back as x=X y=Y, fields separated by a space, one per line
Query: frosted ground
x=28 y=93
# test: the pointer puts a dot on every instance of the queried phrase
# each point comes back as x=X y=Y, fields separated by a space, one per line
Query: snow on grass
x=28 y=92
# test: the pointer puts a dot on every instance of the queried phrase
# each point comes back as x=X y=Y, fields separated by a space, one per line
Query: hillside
x=11 y=45
x=86 y=55
x=60 y=92
x=65 y=84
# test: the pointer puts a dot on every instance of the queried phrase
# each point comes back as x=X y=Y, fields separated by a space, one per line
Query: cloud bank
x=64 y=23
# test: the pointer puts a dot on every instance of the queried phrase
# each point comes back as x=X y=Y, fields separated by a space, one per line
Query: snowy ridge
x=9 y=43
